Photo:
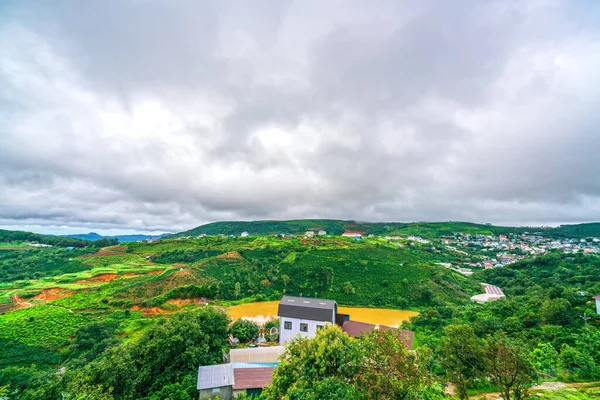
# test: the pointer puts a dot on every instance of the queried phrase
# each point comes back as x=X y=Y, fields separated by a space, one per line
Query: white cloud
x=152 y=116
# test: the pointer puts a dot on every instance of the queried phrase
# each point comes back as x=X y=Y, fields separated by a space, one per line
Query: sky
x=150 y=116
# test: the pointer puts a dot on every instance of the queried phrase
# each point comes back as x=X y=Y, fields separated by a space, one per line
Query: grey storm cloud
x=151 y=115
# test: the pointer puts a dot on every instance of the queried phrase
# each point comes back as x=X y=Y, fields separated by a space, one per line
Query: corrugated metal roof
x=252 y=378
x=356 y=329
x=214 y=376
x=259 y=354
x=307 y=308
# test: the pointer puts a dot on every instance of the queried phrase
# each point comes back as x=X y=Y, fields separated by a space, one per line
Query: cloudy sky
x=153 y=116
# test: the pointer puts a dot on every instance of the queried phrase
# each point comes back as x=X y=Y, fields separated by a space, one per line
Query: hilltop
x=424 y=229
x=93 y=236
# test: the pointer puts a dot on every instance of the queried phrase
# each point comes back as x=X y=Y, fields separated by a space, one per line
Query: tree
x=286 y=280
x=462 y=354
x=325 y=362
x=335 y=366
x=237 y=290
x=576 y=363
x=545 y=358
x=348 y=288
x=391 y=370
x=245 y=330
x=167 y=353
x=509 y=366
x=557 y=311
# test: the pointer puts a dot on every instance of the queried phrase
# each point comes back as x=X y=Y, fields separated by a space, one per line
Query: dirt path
x=20 y=303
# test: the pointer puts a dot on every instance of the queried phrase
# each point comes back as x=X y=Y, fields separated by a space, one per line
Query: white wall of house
x=287 y=334
x=597 y=306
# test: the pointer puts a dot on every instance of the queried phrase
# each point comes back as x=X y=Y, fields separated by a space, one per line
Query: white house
x=244 y=234
x=304 y=316
x=322 y=233
x=597 y=298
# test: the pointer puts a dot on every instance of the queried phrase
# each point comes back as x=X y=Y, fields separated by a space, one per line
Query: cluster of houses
x=251 y=369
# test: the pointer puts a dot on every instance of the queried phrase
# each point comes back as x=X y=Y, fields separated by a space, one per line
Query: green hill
x=424 y=229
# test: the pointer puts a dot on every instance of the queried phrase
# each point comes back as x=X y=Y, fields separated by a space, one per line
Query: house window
x=287 y=325
x=319 y=327
x=303 y=327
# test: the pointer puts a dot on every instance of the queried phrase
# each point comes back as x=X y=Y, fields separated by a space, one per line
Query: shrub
x=244 y=330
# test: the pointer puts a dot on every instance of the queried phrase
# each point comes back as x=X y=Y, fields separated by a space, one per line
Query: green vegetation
x=101 y=313
x=336 y=366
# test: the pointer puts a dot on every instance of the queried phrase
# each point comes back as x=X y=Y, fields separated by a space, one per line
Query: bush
x=244 y=330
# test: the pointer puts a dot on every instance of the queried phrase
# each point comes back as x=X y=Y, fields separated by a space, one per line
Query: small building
x=491 y=293
x=322 y=233
x=244 y=234
x=303 y=316
x=228 y=381
x=597 y=298
x=309 y=234
x=215 y=380
x=251 y=380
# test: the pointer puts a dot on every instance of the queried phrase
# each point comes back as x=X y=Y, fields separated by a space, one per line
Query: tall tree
x=462 y=355
x=509 y=366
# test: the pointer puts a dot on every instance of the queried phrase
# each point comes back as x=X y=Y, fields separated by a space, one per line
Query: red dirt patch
x=20 y=303
x=109 y=251
x=149 y=311
x=184 y=302
x=52 y=294
x=155 y=272
x=98 y=278
x=231 y=254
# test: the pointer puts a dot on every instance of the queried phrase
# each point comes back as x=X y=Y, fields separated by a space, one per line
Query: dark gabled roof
x=307 y=308
x=252 y=378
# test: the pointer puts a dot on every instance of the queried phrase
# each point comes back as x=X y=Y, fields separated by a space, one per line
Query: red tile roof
x=596 y=297
x=356 y=329
x=252 y=378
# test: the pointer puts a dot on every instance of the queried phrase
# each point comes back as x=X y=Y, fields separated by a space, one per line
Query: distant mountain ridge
x=425 y=229
x=93 y=236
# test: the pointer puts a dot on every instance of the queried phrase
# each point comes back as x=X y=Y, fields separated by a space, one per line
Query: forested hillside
x=424 y=229
x=116 y=317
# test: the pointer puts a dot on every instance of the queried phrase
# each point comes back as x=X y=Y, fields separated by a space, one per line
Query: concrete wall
x=287 y=334
x=224 y=393
x=598 y=306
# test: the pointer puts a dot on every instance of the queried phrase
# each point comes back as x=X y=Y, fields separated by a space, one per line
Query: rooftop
x=308 y=302
x=214 y=376
x=252 y=378
x=307 y=308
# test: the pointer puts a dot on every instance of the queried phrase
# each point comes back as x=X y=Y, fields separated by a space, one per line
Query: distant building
x=322 y=233
x=597 y=298
x=304 y=316
x=352 y=234
x=244 y=234
x=491 y=293
x=309 y=234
